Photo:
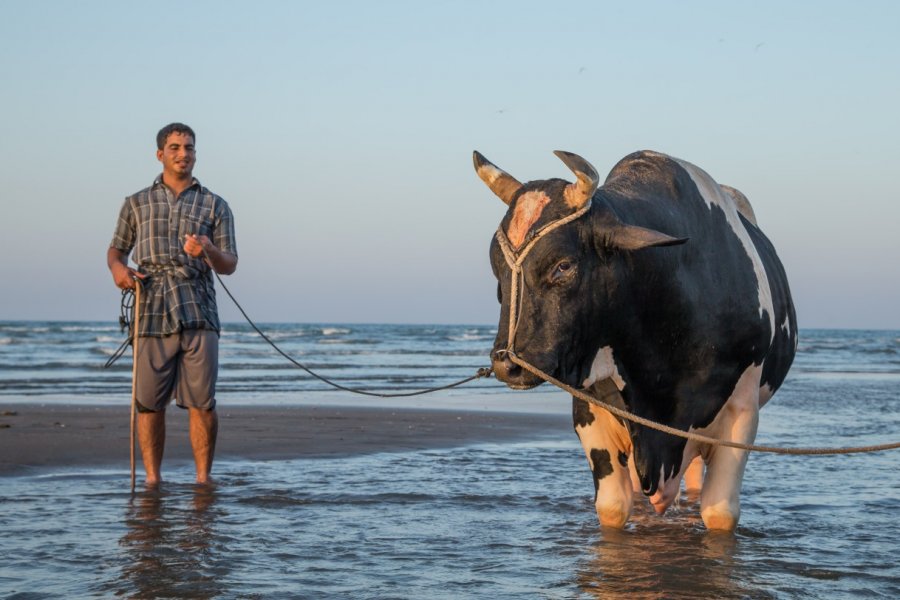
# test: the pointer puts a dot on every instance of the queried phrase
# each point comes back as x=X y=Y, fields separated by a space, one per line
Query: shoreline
x=37 y=436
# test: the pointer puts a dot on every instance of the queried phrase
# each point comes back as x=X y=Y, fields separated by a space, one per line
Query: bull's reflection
x=671 y=557
x=170 y=544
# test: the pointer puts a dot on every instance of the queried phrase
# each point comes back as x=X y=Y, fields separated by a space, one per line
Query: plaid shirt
x=179 y=294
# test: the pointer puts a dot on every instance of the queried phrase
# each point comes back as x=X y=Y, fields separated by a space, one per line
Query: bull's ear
x=577 y=194
x=610 y=232
x=501 y=183
x=632 y=237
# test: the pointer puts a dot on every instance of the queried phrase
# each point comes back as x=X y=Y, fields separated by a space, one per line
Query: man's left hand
x=194 y=245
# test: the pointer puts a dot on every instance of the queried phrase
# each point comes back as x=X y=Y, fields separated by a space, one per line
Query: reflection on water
x=170 y=544
x=672 y=557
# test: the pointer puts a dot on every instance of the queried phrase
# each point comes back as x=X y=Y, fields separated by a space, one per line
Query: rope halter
x=515 y=258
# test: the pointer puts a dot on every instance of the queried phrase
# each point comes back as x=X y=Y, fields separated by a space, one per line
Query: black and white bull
x=663 y=298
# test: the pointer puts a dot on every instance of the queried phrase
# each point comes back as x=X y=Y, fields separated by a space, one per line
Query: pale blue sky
x=341 y=135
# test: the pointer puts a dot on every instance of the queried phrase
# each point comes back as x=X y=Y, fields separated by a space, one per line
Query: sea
x=483 y=520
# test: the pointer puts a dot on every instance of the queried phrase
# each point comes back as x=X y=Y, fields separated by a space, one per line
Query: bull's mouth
x=514 y=376
x=522 y=386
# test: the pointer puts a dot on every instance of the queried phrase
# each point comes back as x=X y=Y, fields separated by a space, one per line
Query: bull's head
x=568 y=280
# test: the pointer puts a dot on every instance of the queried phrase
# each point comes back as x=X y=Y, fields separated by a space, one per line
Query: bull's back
x=673 y=195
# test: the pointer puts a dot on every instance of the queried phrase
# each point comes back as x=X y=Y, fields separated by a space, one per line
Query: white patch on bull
x=614 y=493
x=737 y=422
x=786 y=326
x=528 y=210
x=765 y=394
x=667 y=489
x=725 y=479
x=713 y=194
x=604 y=367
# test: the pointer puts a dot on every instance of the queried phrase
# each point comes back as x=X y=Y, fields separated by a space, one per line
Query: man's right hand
x=124 y=276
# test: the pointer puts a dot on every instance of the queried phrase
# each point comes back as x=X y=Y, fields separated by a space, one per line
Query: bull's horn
x=577 y=194
x=501 y=183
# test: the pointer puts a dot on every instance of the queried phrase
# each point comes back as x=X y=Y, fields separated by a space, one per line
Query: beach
x=47 y=435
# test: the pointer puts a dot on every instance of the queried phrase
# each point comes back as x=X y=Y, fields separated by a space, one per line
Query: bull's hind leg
x=720 y=505
x=693 y=477
x=607 y=447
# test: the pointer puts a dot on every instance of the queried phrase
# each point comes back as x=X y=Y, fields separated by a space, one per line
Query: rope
x=126 y=313
x=688 y=435
x=514 y=260
x=482 y=372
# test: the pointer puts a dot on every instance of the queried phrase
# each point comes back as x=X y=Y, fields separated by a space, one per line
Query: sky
x=341 y=135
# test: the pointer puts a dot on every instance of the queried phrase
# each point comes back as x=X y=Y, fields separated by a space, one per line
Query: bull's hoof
x=613 y=516
x=720 y=520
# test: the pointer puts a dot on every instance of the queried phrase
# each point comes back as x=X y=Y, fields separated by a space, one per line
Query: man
x=179 y=231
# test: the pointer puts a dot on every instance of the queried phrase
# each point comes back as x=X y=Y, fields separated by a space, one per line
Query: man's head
x=171 y=128
x=176 y=151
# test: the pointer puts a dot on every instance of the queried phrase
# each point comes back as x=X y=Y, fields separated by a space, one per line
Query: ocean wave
x=888 y=351
x=470 y=337
x=92 y=328
x=335 y=331
x=6 y=341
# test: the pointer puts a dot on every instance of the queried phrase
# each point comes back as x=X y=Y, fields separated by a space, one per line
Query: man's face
x=178 y=155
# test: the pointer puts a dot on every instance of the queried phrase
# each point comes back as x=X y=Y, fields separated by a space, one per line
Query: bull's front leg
x=607 y=447
x=720 y=505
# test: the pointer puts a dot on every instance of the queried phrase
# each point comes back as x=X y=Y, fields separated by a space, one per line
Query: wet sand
x=36 y=436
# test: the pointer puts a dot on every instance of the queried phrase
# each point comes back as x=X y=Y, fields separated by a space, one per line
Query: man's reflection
x=170 y=543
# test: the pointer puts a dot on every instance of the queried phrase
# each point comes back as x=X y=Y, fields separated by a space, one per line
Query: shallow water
x=483 y=521
x=491 y=521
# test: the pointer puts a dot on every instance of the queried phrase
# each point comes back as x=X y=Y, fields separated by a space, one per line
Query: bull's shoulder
x=643 y=165
x=646 y=175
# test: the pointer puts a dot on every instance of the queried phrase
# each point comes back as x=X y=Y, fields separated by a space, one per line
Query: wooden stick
x=134 y=347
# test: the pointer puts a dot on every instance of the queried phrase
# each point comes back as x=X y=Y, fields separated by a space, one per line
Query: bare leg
x=204 y=426
x=152 y=435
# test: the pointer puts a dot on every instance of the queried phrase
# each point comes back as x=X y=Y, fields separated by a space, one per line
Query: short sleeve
x=223 y=232
x=126 y=229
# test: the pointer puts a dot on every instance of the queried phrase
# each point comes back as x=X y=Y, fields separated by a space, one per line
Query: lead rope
x=689 y=435
x=480 y=373
x=514 y=260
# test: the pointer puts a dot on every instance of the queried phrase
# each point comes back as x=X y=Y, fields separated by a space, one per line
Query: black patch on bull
x=602 y=466
x=779 y=359
x=623 y=459
x=581 y=413
x=684 y=322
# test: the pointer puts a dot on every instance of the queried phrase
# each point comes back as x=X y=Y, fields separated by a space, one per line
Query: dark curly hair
x=171 y=128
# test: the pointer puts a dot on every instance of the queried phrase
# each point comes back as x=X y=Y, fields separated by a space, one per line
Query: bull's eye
x=563 y=270
x=499 y=294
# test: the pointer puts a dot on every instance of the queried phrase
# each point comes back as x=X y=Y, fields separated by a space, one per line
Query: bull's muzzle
x=512 y=374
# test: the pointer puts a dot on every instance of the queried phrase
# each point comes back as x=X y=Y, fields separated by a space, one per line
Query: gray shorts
x=183 y=366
